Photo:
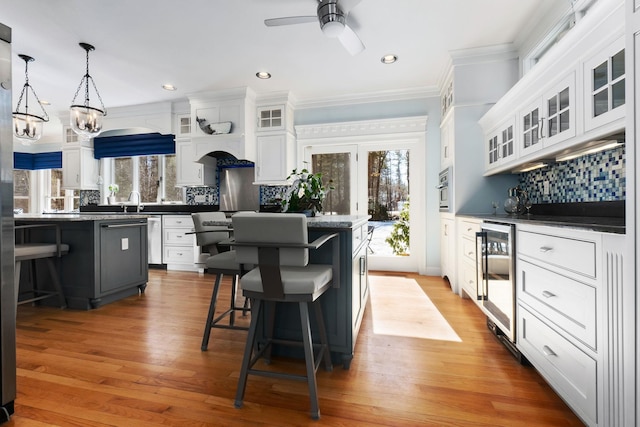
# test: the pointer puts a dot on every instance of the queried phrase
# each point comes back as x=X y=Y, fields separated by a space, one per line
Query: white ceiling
x=200 y=45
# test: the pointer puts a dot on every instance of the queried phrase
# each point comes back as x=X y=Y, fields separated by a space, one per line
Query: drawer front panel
x=568 y=303
x=178 y=254
x=177 y=221
x=563 y=365
x=469 y=250
x=470 y=281
x=469 y=229
x=178 y=237
x=574 y=255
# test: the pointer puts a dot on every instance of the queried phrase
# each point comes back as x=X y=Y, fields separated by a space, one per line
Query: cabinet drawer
x=178 y=221
x=178 y=254
x=469 y=229
x=470 y=280
x=569 y=304
x=178 y=237
x=575 y=255
x=570 y=371
x=469 y=250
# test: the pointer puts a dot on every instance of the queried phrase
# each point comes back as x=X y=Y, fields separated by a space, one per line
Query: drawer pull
x=548 y=352
x=548 y=294
x=469 y=230
x=545 y=249
x=469 y=253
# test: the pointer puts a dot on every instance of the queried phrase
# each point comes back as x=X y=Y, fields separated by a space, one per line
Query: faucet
x=137 y=200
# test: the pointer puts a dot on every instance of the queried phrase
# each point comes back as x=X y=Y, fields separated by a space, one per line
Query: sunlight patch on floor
x=401 y=308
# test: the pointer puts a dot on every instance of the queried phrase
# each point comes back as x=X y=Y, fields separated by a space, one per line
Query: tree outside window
x=22 y=190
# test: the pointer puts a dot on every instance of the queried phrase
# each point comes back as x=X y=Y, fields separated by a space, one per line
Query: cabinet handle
x=541 y=128
x=469 y=253
x=362 y=266
x=548 y=352
x=469 y=230
x=548 y=294
x=545 y=249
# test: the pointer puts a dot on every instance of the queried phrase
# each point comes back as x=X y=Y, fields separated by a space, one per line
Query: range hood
x=233 y=105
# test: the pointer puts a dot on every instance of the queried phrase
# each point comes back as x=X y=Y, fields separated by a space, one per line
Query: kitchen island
x=107 y=257
x=343 y=305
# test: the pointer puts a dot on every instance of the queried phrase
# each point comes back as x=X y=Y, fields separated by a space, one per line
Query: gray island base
x=107 y=258
x=343 y=305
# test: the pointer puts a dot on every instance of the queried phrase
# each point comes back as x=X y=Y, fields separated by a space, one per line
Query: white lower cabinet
x=447 y=248
x=179 y=249
x=466 y=251
x=569 y=294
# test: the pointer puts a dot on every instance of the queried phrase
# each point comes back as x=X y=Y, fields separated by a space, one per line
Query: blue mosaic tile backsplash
x=592 y=178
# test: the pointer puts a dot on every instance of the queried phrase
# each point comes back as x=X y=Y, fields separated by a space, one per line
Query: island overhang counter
x=344 y=304
x=107 y=257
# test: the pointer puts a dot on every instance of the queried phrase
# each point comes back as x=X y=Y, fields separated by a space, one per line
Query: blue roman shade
x=35 y=161
x=133 y=145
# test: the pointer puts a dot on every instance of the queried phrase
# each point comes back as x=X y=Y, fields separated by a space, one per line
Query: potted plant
x=306 y=193
x=113 y=189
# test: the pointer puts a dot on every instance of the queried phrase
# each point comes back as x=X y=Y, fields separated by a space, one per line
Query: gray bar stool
x=220 y=262
x=278 y=244
x=32 y=251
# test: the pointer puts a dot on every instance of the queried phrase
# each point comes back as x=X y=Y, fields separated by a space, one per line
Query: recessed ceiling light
x=263 y=75
x=169 y=87
x=389 y=59
x=44 y=102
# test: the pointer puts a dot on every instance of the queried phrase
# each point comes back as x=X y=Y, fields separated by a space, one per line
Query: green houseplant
x=306 y=193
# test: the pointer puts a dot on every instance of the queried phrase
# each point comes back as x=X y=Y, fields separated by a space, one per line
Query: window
x=22 y=190
x=56 y=195
x=154 y=177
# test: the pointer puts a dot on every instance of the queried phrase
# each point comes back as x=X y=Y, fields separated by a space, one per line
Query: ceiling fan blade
x=351 y=41
x=347 y=5
x=290 y=20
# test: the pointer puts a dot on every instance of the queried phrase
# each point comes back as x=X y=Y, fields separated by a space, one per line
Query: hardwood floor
x=137 y=362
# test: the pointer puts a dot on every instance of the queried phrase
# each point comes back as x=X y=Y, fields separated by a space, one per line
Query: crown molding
x=369 y=98
x=362 y=128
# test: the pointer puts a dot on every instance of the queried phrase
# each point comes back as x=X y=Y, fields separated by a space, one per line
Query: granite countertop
x=601 y=224
x=78 y=217
x=320 y=221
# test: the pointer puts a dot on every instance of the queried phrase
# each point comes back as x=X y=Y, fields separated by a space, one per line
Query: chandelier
x=86 y=120
x=27 y=127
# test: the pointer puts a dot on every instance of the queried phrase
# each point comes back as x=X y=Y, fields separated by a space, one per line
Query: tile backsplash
x=591 y=178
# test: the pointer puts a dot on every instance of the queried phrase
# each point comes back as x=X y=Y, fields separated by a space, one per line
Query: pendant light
x=86 y=120
x=27 y=127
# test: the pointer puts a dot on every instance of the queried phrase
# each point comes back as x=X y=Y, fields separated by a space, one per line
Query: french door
x=378 y=179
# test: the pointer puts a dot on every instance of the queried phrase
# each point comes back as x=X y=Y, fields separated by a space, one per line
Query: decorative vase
x=111 y=200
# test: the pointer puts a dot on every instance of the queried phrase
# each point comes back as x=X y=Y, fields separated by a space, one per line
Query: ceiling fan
x=332 y=16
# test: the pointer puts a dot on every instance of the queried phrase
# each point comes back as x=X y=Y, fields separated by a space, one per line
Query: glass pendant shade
x=27 y=127
x=86 y=120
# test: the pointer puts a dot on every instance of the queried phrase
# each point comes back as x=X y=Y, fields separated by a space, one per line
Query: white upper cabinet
x=574 y=95
x=271 y=117
x=550 y=118
x=604 y=86
x=500 y=144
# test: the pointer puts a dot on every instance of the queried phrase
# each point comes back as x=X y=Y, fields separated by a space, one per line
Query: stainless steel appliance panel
x=237 y=192
x=154 y=229
x=7 y=238
x=444 y=190
x=496 y=271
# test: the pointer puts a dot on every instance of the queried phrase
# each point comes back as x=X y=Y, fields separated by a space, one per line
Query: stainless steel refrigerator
x=7 y=240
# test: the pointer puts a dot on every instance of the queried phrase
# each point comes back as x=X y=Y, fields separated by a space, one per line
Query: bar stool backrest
x=271 y=228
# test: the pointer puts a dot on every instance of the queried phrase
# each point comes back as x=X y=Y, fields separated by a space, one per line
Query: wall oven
x=444 y=190
x=496 y=280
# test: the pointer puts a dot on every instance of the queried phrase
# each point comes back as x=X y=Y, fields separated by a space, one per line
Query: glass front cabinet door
x=500 y=144
x=604 y=80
